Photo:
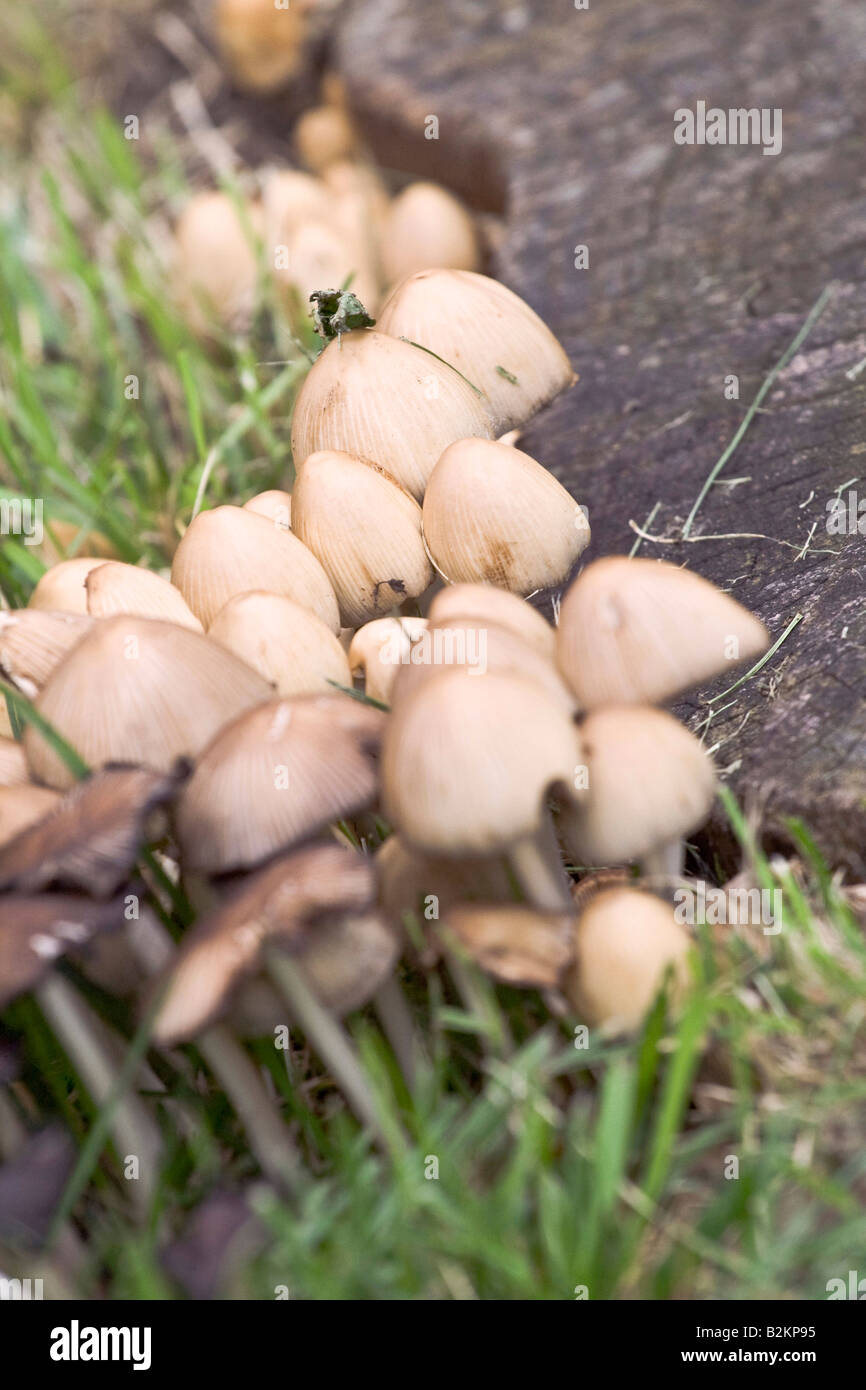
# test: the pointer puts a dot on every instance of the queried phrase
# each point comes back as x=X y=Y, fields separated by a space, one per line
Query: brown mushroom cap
x=284 y=642
x=262 y=43
x=480 y=601
x=348 y=960
x=280 y=905
x=33 y=641
x=427 y=226
x=467 y=763
x=635 y=631
x=35 y=931
x=323 y=135
x=650 y=783
x=625 y=942
x=372 y=552
x=275 y=776
x=115 y=588
x=493 y=514
x=135 y=690
x=515 y=944
x=88 y=839
x=488 y=333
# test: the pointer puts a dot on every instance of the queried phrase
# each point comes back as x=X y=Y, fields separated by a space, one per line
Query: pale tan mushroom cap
x=22 y=806
x=61 y=587
x=635 y=631
x=625 y=943
x=284 y=642
x=33 y=641
x=14 y=771
x=467 y=763
x=380 y=649
x=427 y=226
x=650 y=783
x=480 y=601
x=118 y=588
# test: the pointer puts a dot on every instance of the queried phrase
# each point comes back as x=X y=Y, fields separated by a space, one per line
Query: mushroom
x=487 y=601
x=20 y=807
x=321 y=253
x=291 y=198
x=635 y=631
x=491 y=513
x=378 y=398
x=90 y=838
x=285 y=643
x=324 y=135
x=230 y=551
x=372 y=551
x=467 y=765
x=261 y=42
x=117 y=588
x=378 y=649
x=430 y=885
x=33 y=641
x=626 y=942
x=486 y=332
x=514 y=944
x=273 y=504
x=650 y=783
x=14 y=771
x=61 y=587
x=427 y=226
x=215 y=268
x=275 y=776
x=138 y=690
x=36 y=931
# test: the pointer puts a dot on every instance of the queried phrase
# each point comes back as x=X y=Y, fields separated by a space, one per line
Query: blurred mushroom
x=637 y=631
x=379 y=648
x=36 y=931
x=467 y=765
x=90 y=838
x=136 y=690
x=324 y=135
x=273 y=504
x=116 y=588
x=515 y=944
x=275 y=776
x=285 y=643
x=372 y=551
x=21 y=807
x=426 y=226
x=379 y=399
x=229 y=550
x=650 y=784
x=14 y=771
x=491 y=513
x=626 y=942
x=320 y=253
x=262 y=42
x=33 y=641
x=488 y=601
x=291 y=199
x=487 y=333
x=215 y=263
x=61 y=587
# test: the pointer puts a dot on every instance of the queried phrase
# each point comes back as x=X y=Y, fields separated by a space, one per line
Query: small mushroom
x=380 y=648
x=285 y=643
x=486 y=332
x=61 y=587
x=635 y=631
x=514 y=944
x=229 y=550
x=427 y=226
x=33 y=641
x=626 y=943
x=36 y=931
x=261 y=42
x=136 y=690
x=90 y=838
x=372 y=552
x=290 y=199
x=650 y=783
x=20 y=807
x=492 y=514
x=488 y=601
x=117 y=588
x=273 y=504
x=430 y=885
x=321 y=253
x=381 y=399
x=277 y=775
x=14 y=771
x=324 y=135
x=215 y=268
x=466 y=769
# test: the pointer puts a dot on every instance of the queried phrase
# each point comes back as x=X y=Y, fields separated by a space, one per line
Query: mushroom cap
x=348 y=960
x=372 y=552
x=273 y=504
x=500 y=606
x=408 y=878
x=289 y=199
x=137 y=690
x=324 y=135
x=518 y=945
x=379 y=648
x=321 y=254
x=33 y=641
x=492 y=514
x=276 y=776
x=467 y=763
x=21 y=807
x=625 y=942
x=90 y=838
x=284 y=642
x=215 y=271
x=650 y=782
x=427 y=226
x=488 y=333
x=476 y=647
x=281 y=906
x=635 y=631
x=61 y=587
x=117 y=588
x=14 y=771
x=373 y=396
x=230 y=550
x=35 y=931
x=261 y=42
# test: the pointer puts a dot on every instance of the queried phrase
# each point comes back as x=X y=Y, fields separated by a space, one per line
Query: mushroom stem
x=134 y=1132
x=399 y=1029
x=267 y=1134
x=540 y=871
x=665 y=862
x=327 y=1037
